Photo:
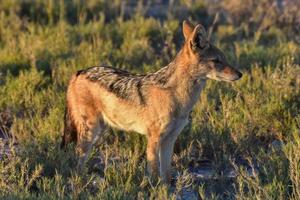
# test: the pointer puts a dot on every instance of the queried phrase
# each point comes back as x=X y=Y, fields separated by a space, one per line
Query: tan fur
x=91 y=106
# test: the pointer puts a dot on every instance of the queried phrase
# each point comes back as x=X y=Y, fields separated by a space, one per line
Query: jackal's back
x=127 y=85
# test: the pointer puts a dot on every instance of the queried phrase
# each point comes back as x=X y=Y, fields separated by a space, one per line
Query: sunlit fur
x=155 y=104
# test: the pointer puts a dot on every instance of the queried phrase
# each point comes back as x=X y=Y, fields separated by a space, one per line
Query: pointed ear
x=187 y=28
x=199 y=38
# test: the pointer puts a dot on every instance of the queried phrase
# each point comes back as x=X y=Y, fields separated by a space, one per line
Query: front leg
x=166 y=150
x=166 y=153
x=152 y=156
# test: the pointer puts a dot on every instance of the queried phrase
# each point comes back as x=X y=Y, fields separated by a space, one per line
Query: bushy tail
x=70 y=132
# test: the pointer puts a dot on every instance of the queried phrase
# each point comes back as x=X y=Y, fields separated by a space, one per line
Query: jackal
x=154 y=104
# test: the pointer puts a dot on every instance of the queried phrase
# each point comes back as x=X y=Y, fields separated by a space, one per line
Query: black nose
x=239 y=74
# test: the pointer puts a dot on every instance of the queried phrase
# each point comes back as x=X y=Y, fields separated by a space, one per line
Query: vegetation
x=43 y=42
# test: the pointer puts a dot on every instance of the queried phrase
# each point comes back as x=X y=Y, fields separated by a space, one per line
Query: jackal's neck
x=177 y=74
x=163 y=76
x=186 y=85
x=180 y=80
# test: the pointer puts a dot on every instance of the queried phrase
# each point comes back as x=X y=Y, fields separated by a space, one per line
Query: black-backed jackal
x=155 y=104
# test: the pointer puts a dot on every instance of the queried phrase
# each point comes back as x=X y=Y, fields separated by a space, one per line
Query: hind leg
x=88 y=135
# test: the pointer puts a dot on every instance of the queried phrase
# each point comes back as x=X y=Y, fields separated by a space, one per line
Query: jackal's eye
x=216 y=60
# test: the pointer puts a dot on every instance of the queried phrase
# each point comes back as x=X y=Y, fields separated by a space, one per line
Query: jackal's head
x=205 y=60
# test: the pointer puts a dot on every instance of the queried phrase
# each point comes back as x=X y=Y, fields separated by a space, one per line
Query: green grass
x=42 y=43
